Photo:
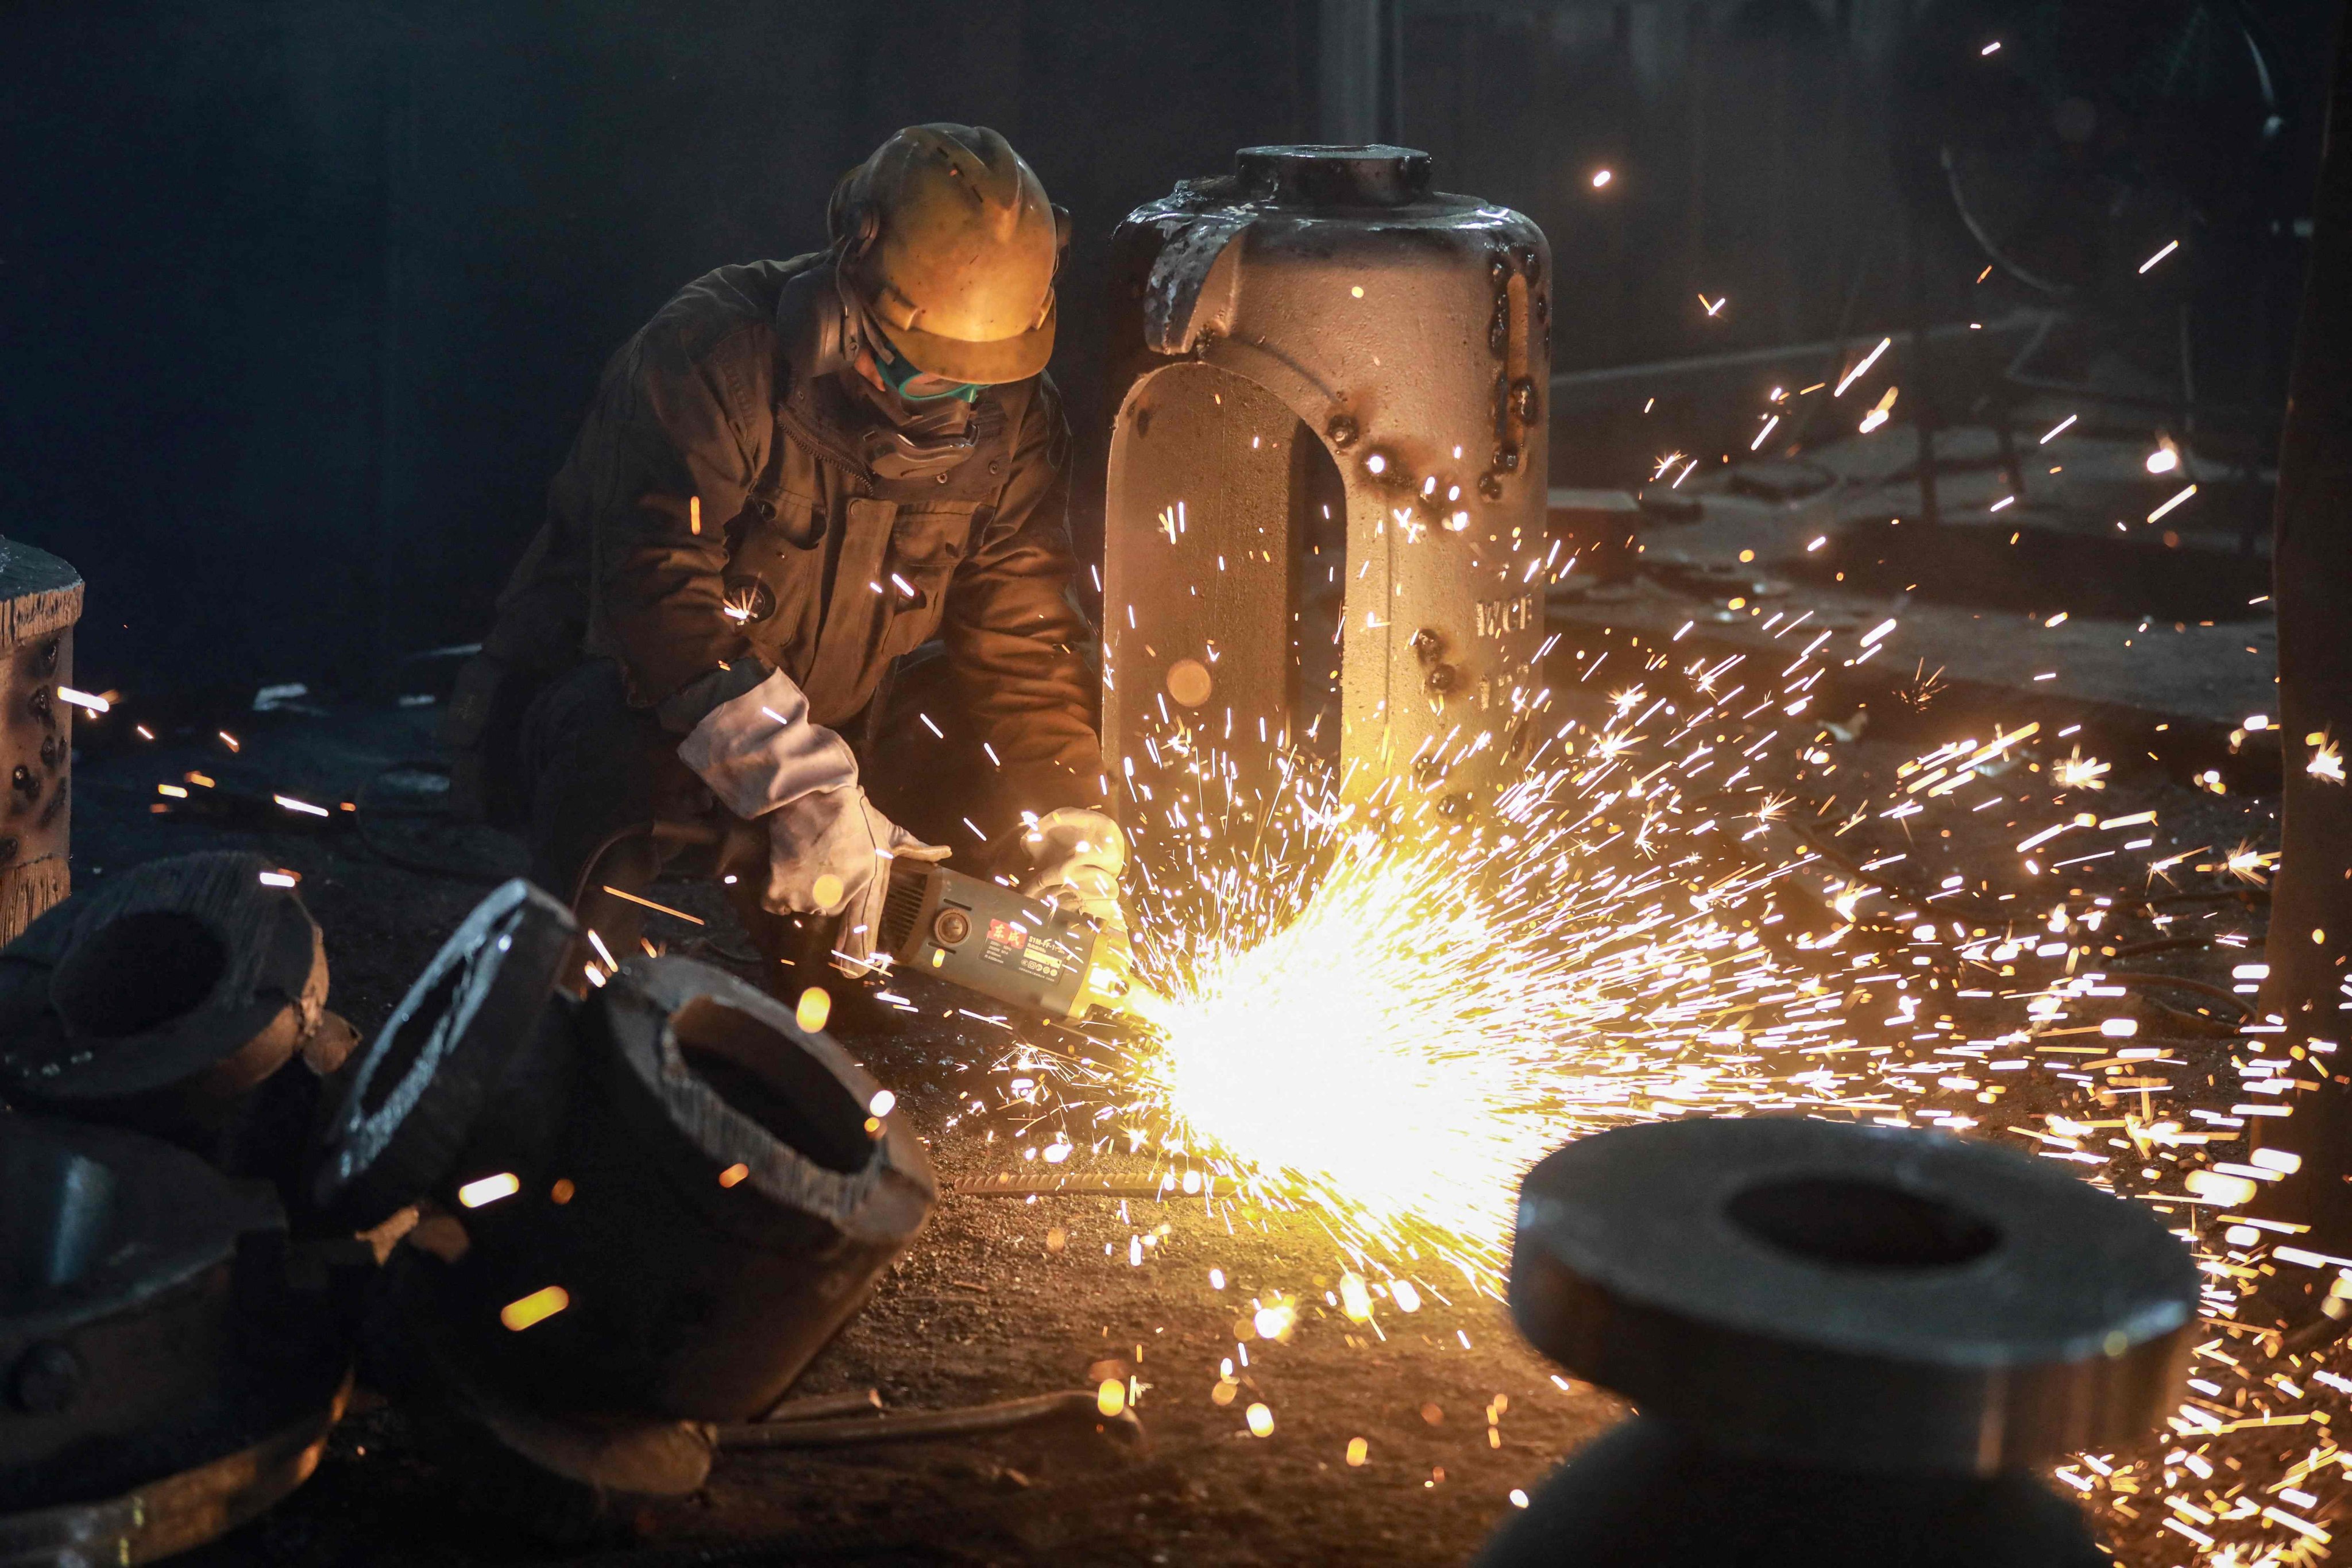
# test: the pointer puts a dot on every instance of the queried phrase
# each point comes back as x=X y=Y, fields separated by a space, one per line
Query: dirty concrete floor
x=999 y=1299
x=1003 y=1298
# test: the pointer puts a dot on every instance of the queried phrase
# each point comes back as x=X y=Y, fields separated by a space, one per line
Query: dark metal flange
x=161 y=998
x=418 y=1094
x=174 y=1513
x=118 y=1295
x=1860 y=1297
x=727 y=1200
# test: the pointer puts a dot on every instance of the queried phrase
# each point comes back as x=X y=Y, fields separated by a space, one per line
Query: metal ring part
x=1868 y=1298
x=727 y=1203
x=118 y=1296
x=160 y=998
x=176 y=1512
x=419 y=1090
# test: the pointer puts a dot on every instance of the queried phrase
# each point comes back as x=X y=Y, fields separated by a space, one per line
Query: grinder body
x=987 y=938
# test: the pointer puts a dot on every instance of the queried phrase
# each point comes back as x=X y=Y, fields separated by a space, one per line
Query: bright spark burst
x=2076 y=771
x=2248 y=865
x=1392 y=1017
x=1387 y=1054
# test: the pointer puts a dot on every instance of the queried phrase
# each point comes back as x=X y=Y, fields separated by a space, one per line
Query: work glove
x=759 y=750
x=829 y=854
x=1076 y=857
x=829 y=851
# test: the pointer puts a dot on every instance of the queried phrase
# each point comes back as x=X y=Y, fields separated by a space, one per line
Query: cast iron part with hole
x=551 y=1477
x=725 y=1201
x=147 y=1330
x=40 y=600
x=161 y=999
x=1847 y=1343
x=467 y=1076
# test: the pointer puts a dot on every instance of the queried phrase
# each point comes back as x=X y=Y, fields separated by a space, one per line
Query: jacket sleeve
x=669 y=433
x=1015 y=637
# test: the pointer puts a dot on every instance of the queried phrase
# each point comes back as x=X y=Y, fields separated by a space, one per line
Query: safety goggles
x=897 y=372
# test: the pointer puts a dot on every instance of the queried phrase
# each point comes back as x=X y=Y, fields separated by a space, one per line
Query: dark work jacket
x=803 y=560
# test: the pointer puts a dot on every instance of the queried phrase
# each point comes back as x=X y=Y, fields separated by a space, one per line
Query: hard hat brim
x=999 y=360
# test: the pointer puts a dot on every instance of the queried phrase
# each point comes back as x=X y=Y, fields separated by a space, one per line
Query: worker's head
x=948 y=246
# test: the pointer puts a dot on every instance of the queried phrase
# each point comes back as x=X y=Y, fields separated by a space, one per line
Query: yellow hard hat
x=949 y=244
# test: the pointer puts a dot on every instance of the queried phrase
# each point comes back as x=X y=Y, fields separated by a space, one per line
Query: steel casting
x=161 y=1000
x=718 y=1202
x=147 y=1325
x=1847 y=1343
x=40 y=600
x=468 y=1074
x=1326 y=486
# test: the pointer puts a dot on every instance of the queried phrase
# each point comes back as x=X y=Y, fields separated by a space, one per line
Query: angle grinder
x=977 y=934
x=987 y=938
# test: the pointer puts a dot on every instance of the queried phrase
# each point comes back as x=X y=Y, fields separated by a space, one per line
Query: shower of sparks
x=1382 y=1017
x=1384 y=1053
x=1394 y=1019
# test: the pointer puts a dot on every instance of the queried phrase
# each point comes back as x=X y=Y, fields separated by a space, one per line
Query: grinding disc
x=1860 y=1297
x=417 y=1092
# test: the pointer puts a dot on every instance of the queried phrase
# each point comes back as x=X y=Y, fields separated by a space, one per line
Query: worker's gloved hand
x=759 y=750
x=1077 y=857
x=829 y=854
x=828 y=849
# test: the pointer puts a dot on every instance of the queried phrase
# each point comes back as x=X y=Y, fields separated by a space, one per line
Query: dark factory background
x=299 y=303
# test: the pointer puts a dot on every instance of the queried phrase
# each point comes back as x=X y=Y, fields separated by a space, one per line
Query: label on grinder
x=1009 y=945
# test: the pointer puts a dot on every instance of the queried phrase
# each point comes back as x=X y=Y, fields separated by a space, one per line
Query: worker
x=797 y=477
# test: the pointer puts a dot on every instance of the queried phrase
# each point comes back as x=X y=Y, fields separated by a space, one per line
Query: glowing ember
x=2079 y=772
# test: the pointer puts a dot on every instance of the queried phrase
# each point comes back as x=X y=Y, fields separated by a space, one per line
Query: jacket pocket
x=927 y=544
